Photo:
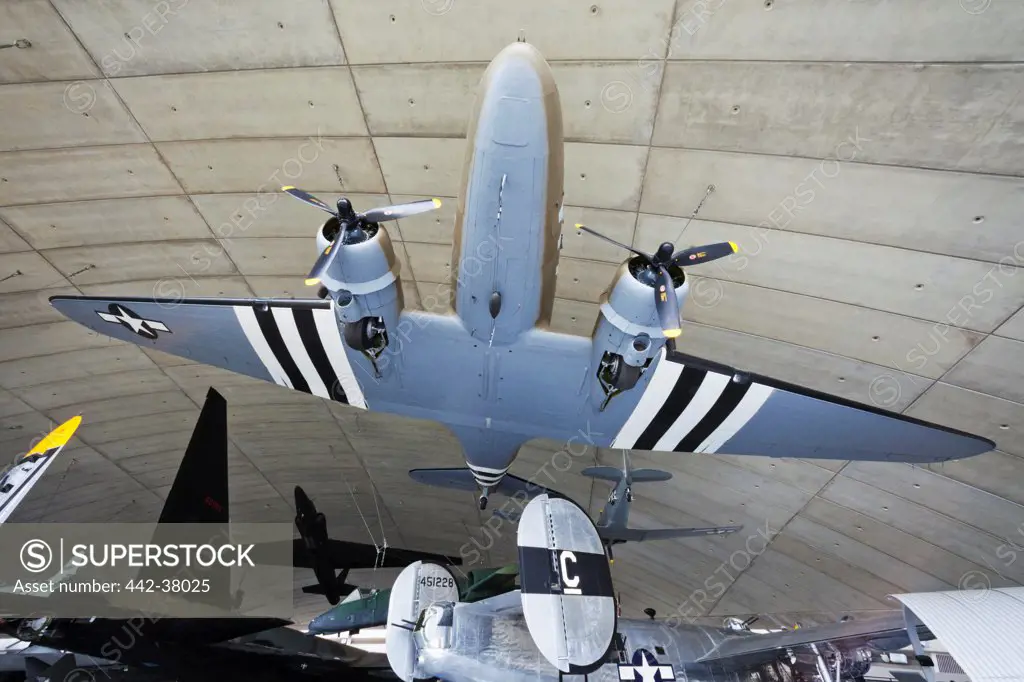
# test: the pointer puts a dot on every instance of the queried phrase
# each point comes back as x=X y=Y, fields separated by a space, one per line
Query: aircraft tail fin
x=200 y=490
x=567 y=595
x=640 y=535
x=603 y=473
x=419 y=586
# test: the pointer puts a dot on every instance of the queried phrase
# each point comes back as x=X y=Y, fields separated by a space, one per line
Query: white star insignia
x=120 y=315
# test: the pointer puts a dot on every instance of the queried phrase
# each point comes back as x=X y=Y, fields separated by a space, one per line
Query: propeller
x=352 y=225
x=658 y=276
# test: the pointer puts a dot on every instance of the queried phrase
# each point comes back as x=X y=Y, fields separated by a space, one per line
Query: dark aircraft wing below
x=355 y=555
x=693 y=405
x=642 y=535
x=744 y=649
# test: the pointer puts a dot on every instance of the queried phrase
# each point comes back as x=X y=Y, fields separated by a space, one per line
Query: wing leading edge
x=694 y=405
x=293 y=343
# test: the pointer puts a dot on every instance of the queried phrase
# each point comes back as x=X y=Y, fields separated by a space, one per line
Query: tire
x=357 y=334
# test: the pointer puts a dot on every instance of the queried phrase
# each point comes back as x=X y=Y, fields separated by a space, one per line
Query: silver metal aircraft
x=491 y=370
x=28 y=469
x=613 y=519
x=564 y=622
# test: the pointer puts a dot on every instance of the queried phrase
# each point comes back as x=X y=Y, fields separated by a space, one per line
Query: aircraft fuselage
x=507 y=224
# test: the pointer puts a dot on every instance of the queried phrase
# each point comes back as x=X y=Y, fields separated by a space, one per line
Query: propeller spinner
x=658 y=276
x=352 y=224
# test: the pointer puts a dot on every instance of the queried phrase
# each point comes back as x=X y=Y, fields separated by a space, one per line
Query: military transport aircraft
x=26 y=472
x=492 y=371
x=564 y=622
x=613 y=519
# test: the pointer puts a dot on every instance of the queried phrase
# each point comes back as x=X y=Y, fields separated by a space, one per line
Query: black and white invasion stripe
x=487 y=476
x=302 y=349
x=689 y=409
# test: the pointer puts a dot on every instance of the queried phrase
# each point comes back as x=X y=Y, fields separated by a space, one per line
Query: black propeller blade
x=665 y=295
x=696 y=255
x=667 y=305
x=350 y=221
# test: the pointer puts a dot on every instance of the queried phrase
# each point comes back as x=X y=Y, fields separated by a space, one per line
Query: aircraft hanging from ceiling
x=563 y=623
x=613 y=519
x=492 y=371
x=17 y=481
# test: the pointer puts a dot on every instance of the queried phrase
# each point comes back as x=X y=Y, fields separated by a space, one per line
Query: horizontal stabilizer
x=567 y=595
x=603 y=473
x=462 y=479
x=640 y=535
x=649 y=475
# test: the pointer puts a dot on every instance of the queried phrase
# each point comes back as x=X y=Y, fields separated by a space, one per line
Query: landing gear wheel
x=360 y=335
x=483 y=502
x=625 y=376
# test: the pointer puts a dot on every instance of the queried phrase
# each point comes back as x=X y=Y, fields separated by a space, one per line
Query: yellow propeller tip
x=437 y=203
x=673 y=333
x=286 y=188
x=580 y=226
x=312 y=282
x=734 y=247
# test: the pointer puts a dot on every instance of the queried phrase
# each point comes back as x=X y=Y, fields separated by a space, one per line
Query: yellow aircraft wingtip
x=57 y=438
x=735 y=249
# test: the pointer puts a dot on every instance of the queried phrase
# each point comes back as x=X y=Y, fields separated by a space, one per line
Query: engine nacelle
x=364 y=284
x=628 y=335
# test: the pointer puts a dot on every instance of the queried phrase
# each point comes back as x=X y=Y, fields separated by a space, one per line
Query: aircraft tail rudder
x=200 y=490
x=423 y=590
x=567 y=594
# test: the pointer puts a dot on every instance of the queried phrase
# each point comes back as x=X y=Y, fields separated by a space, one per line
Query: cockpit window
x=437 y=625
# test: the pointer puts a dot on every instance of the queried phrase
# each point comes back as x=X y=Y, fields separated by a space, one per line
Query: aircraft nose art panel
x=567 y=595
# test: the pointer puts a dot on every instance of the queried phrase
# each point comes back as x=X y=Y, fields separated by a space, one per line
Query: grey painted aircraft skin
x=491 y=370
x=564 y=621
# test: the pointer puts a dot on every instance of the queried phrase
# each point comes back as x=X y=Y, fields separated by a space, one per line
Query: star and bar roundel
x=130 y=320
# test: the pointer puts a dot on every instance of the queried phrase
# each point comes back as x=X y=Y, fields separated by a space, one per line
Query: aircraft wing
x=888 y=633
x=694 y=405
x=641 y=535
x=293 y=343
x=354 y=555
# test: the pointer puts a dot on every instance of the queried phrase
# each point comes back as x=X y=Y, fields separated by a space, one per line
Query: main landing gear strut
x=484 y=494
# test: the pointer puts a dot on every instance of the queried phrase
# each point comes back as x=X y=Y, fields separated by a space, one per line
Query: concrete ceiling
x=867 y=157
